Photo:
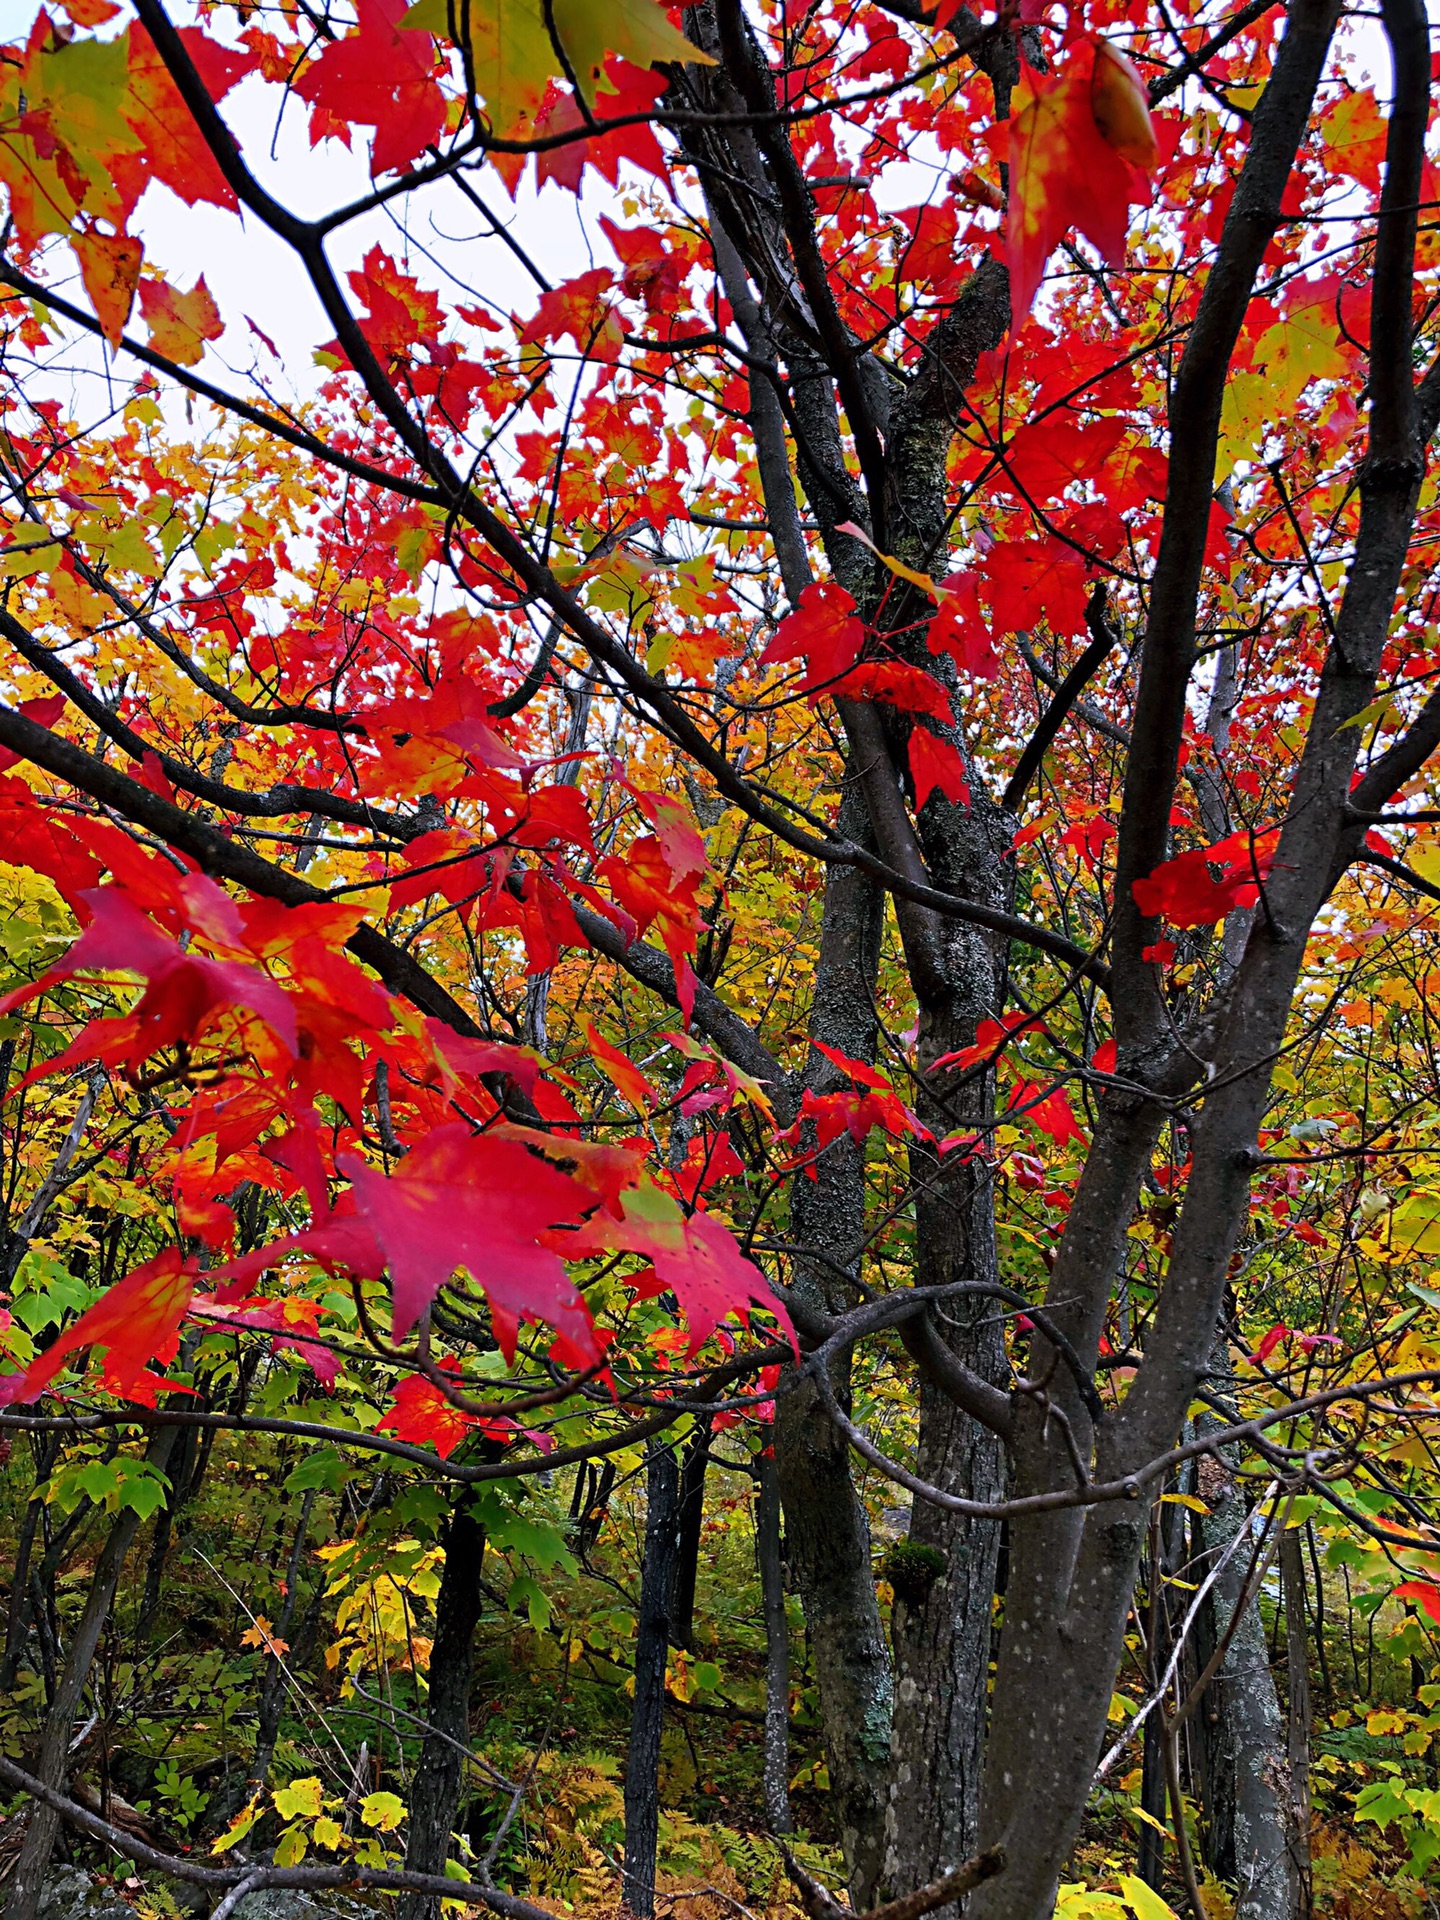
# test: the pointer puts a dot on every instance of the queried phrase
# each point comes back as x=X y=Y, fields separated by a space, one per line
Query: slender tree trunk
x=34 y=1861
x=942 y=1631
x=777 y=1647
x=692 y=1520
x=652 y=1647
x=182 y=1486
x=1298 y=1716
x=272 y=1687
x=45 y=1450
x=827 y=1533
x=440 y=1776
x=1154 y=1798
x=1244 y=1742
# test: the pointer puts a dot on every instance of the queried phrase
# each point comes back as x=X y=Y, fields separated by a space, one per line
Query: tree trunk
x=1154 y=1798
x=692 y=1519
x=40 y=1831
x=1297 y=1644
x=942 y=1631
x=440 y=1776
x=827 y=1533
x=1243 y=1738
x=45 y=1450
x=777 y=1647
x=272 y=1687
x=652 y=1646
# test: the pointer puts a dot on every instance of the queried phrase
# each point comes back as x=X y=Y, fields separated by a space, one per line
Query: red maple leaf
x=478 y=1201
x=620 y=1070
x=1078 y=149
x=184 y=988
x=695 y=1258
x=1049 y=1113
x=823 y=631
x=1426 y=1592
x=651 y=892
x=1188 y=891
x=381 y=76
x=421 y=1414
x=936 y=763
x=173 y=149
x=136 y=1321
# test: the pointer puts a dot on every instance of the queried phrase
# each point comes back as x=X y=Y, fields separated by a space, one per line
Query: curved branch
x=1105 y=640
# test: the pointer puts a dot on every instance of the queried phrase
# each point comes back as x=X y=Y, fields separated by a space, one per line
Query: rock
x=70 y=1894
x=293 y=1903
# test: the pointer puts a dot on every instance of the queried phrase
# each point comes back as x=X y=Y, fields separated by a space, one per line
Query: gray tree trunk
x=34 y=1861
x=1297 y=1719
x=1246 y=1784
x=827 y=1532
x=777 y=1649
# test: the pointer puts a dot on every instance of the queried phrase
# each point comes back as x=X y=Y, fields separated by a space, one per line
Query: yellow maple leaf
x=514 y=58
x=180 y=323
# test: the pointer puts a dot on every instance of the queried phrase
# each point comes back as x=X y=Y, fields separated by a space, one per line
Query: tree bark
x=1242 y=1736
x=777 y=1647
x=692 y=1520
x=652 y=1646
x=440 y=1776
x=827 y=1533
x=40 y=1831
x=1298 y=1717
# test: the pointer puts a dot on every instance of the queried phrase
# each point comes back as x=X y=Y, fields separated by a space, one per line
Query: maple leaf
x=1078 y=146
x=1047 y=456
x=580 y=308
x=262 y=1634
x=171 y=147
x=823 y=631
x=630 y=91
x=1268 y=1345
x=135 y=1321
x=1027 y=581
x=180 y=323
x=514 y=58
x=682 y=846
x=992 y=1037
x=620 y=1069
x=1187 y=892
x=650 y=891
x=110 y=269
x=64 y=133
x=707 y=1161
x=184 y=988
x=937 y=765
x=1425 y=1591
x=960 y=629
x=1049 y=1112
x=381 y=76
x=694 y=1257
x=285 y=1319
x=899 y=685
x=478 y=1201
x=421 y=1414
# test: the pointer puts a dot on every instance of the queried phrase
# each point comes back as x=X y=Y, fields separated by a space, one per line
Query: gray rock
x=70 y=1894
x=293 y=1903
